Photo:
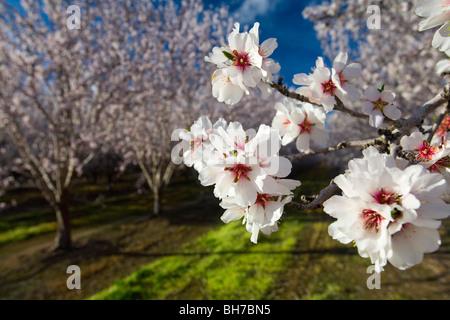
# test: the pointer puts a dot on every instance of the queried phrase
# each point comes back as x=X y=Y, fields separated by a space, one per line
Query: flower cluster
x=324 y=85
x=444 y=127
x=242 y=64
x=434 y=156
x=389 y=213
x=304 y=123
x=390 y=208
x=245 y=169
x=195 y=142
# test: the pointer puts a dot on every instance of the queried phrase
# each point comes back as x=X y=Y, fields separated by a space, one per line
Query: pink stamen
x=239 y=171
x=263 y=198
x=329 y=87
x=342 y=80
x=438 y=166
x=372 y=219
x=197 y=142
x=425 y=152
x=383 y=196
x=306 y=126
x=242 y=61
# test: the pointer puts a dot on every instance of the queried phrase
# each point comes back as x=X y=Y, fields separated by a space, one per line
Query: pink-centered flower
x=324 y=85
x=242 y=64
x=301 y=123
x=426 y=153
x=245 y=164
x=379 y=105
x=195 y=141
x=391 y=215
x=262 y=216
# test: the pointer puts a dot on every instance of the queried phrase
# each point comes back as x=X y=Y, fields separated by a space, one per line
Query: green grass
x=24 y=232
x=34 y=217
x=222 y=264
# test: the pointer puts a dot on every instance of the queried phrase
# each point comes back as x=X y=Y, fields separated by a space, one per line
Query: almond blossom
x=435 y=157
x=379 y=106
x=244 y=165
x=248 y=175
x=324 y=85
x=303 y=123
x=262 y=216
x=242 y=64
x=387 y=211
x=437 y=13
x=197 y=141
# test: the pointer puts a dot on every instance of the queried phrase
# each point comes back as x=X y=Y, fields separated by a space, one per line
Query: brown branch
x=341 y=107
x=318 y=200
x=281 y=88
x=342 y=145
x=404 y=125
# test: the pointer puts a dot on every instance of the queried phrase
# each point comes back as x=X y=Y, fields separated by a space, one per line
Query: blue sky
x=298 y=47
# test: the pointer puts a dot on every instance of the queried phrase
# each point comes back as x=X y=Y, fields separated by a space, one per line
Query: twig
x=323 y=196
x=341 y=107
x=438 y=123
x=342 y=145
x=281 y=88
x=404 y=125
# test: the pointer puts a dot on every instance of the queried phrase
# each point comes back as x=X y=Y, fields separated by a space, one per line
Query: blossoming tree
x=118 y=85
x=391 y=204
x=57 y=85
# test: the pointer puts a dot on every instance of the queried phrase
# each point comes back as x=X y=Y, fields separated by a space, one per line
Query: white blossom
x=437 y=13
x=379 y=106
x=324 y=85
x=304 y=123
x=382 y=205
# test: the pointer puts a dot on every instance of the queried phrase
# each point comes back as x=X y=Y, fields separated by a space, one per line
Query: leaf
x=228 y=55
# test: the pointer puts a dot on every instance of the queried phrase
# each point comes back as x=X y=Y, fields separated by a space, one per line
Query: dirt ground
x=320 y=267
x=104 y=254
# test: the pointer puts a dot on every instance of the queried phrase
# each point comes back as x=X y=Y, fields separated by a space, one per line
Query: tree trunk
x=63 y=240
x=157 y=204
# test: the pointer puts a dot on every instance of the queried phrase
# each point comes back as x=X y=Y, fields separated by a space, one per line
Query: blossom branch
x=317 y=201
x=342 y=145
x=404 y=125
x=438 y=123
x=281 y=88
x=341 y=107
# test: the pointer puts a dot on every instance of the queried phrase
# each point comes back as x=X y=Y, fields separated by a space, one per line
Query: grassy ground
x=188 y=253
x=222 y=264
x=299 y=262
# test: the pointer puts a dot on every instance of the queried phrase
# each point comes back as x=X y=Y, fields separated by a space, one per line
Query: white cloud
x=250 y=9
